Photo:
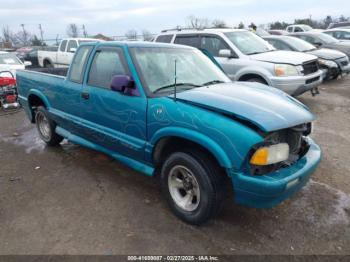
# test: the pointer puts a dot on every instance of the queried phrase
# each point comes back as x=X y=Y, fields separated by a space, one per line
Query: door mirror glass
x=225 y=53
x=124 y=84
x=318 y=44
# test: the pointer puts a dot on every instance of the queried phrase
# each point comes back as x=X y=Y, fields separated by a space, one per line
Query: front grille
x=310 y=67
x=298 y=147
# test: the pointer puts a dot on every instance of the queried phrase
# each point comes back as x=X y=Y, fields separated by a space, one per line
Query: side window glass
x=298 y=29
x=72 y=44
x=290 y=29
x=187 y=40
x=78 y=64
x=105 y=65
x=164 y=38
x=63 y=46
x=213 y=44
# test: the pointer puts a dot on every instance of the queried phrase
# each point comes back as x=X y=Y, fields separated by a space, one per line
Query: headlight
x=268 y=155
x=285 y=70
x=327 y=63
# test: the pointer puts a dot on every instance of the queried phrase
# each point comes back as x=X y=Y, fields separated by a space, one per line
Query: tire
x=47 y=64
x=46 y=127
x=257 y=79
x=192 y=184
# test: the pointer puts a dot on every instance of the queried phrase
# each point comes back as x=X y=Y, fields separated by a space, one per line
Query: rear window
x=164 y=38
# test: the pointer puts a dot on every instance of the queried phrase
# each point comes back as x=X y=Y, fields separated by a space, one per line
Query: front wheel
x=46 y=127
x=192 y=185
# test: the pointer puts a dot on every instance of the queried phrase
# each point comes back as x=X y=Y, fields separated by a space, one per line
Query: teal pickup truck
x=169 y=111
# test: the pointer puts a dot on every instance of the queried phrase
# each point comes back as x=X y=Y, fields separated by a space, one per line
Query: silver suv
x=245 y=56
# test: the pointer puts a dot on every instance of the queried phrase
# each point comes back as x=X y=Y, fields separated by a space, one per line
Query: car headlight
x=327 y=63
x=268 y=155
x=285 y=70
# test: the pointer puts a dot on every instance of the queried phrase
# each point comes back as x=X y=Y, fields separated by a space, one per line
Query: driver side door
x=114 y=120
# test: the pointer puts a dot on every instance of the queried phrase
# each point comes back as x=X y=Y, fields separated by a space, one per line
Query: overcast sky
x=115 y=17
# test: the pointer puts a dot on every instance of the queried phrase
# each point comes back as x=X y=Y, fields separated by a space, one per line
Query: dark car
x=29 y=54
x=332 y=62
x=339 y=33
x=320 y=39
x=278 y=32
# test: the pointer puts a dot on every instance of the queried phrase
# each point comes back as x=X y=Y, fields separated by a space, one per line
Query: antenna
x=175 y=76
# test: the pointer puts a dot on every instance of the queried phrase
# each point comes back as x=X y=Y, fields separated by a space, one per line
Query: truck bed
x=53 y=71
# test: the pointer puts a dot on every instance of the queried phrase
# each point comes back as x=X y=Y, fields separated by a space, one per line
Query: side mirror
x=225 y=53
x=27 y=63
x=124 y=84
x=318 y=44
x=72 y=50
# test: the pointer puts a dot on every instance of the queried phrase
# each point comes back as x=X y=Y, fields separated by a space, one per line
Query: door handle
x=85 y=95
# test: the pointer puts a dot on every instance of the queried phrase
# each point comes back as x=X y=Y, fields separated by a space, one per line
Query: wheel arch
x=174 y=138
x=35 y=99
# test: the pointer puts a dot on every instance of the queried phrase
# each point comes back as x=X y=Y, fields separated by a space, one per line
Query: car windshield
x=327 y=38
x=249 y=43
x=299 y=44
x=306 y=28
x=156 y=67
x=9 y=59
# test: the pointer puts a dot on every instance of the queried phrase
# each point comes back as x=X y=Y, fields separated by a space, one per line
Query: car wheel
x=46 y=127
x=192 y=185
x=47 y=64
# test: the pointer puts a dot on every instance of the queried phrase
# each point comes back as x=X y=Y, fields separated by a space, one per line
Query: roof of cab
x=138 y=44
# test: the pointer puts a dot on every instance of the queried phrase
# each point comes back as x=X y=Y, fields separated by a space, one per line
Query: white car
x=298 y=28
x=10 y=62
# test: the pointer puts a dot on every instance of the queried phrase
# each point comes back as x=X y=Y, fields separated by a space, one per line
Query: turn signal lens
x=270 y=154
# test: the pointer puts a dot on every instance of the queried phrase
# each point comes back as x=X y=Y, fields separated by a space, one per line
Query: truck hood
x=266 y=107
x=326 y=53
x=283 y=57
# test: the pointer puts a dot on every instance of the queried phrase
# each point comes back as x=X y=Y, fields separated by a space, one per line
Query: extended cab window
x=106 y=64
x=213 y=44
x=187 y=40
x=164 y=38
x=72 y=44
x=63 y=46
x=78 y=64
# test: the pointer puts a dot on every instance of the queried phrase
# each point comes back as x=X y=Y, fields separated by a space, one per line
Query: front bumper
x=296 y=85
x=271 y=189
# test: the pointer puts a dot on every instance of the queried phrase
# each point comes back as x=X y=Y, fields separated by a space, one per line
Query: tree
x=278 y=25
x=219 y=23
x=36 y=41
x=196 y=22
x=73 y=30
x=131 y=34
x=22 y=38
x=146 y=35
x=327 y=21
x=241 y=25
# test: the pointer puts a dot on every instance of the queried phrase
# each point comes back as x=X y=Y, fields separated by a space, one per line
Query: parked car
x=339 y=33
x=168 y=110
x=298 y=28
x=320 y=39
x=63 y=56
x=332 y=62
x=10 y=62
x=245 y=56
x=29 y=54
x=278 y=32
x=340 y=24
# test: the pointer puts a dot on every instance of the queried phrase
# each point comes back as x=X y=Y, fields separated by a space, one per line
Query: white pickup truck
x=64 y=55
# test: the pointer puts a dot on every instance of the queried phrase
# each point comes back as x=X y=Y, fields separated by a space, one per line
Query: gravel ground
x=72 y=200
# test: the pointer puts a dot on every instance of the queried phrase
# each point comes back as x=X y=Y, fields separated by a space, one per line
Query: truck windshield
x=249 y=43
x=299 y=44
x=9 y=59
x=156 y=67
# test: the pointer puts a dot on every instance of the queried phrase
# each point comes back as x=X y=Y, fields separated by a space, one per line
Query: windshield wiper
x=213 y=82
x=173 y=85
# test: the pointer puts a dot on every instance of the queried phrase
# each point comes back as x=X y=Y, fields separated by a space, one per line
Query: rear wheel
x=47 y=64
x=192 y=183
x=257 y=79
x=46 y=127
